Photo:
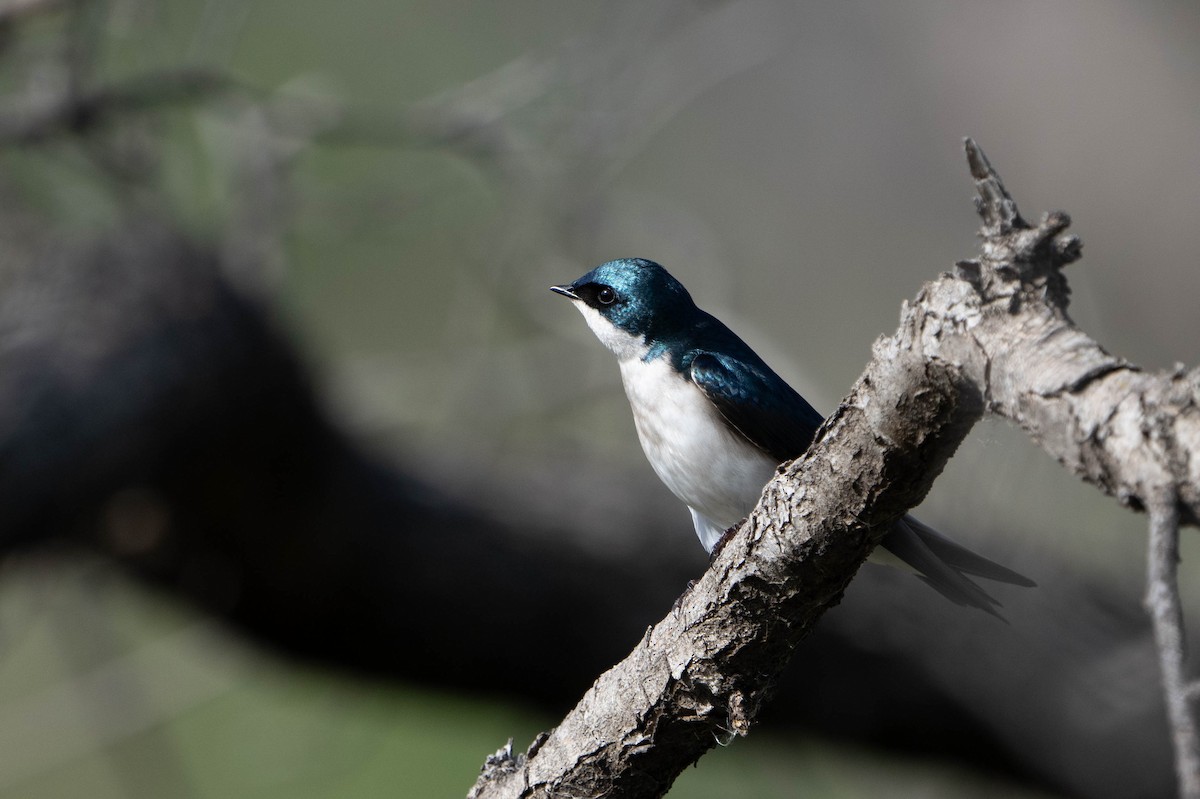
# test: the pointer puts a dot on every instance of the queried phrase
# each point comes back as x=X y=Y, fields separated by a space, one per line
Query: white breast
x=713 y=470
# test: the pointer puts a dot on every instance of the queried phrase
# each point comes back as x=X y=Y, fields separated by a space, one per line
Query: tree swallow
x=715 y=421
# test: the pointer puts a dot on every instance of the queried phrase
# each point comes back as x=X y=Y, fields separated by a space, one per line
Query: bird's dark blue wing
x=756 y=402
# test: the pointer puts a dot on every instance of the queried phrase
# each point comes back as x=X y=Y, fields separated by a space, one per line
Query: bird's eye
x=606 y=296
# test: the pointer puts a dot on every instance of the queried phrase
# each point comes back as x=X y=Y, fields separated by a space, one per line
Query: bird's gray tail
x=944 y=565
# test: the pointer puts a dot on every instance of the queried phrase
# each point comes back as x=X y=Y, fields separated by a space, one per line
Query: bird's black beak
x=567 y=290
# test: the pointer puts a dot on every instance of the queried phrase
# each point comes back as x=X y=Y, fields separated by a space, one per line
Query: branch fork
x=994 y=336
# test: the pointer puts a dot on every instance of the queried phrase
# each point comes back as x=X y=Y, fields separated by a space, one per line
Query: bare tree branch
x=1162 y=601
x=1090 y=410
x=699 y=676
x=994 y=337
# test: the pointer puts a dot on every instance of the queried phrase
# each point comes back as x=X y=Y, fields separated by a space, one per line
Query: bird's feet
x=716 y=550
x=723 y=540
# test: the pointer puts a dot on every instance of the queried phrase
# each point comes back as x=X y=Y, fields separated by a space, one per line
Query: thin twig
x=1162 y=602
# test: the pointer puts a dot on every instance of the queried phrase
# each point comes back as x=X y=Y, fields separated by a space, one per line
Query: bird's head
x=630 y=304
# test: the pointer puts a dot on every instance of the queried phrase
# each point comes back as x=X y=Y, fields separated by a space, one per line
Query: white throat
x=624 y=345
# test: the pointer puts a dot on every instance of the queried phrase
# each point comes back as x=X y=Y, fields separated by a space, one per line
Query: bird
x=715 y=422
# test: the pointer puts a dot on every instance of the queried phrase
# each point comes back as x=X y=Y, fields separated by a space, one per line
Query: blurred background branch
x=278 y=350
x=76 y=113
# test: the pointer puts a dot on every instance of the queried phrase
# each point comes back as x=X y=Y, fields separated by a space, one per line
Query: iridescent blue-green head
x=630 y=304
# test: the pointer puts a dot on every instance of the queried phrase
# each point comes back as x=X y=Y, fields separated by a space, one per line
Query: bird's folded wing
x=756 y=403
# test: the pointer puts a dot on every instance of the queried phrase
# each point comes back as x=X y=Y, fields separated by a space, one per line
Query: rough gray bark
x=1127 y=431
x=995 y=337
x=1162 y=601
